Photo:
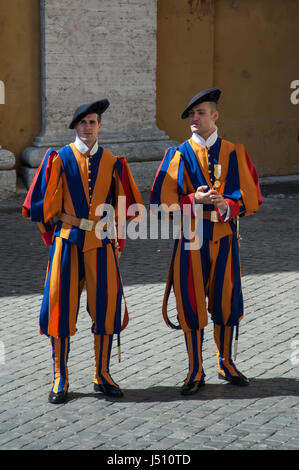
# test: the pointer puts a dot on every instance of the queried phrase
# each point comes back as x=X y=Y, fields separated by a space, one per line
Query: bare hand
x=211 y=197
x=218 y=200
x=201 y=197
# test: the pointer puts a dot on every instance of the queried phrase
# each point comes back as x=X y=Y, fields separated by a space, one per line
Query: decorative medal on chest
x=217 y=175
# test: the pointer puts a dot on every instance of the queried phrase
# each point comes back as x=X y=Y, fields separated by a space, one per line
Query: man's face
x=202 y=118
x=88 y=129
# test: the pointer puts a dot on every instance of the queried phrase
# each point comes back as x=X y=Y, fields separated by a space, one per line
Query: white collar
x=82 y=147
x=210 y=140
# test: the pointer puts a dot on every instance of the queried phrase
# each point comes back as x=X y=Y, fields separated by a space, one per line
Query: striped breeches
x=60 y=353
x=223 y=337
x=212 y=272
x=68 y=269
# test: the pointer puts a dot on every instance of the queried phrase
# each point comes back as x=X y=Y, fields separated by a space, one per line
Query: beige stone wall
x=250 y=50
x=20 y=116
x=97 y=49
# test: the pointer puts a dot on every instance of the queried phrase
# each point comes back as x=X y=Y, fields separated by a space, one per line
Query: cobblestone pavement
x=153 y=415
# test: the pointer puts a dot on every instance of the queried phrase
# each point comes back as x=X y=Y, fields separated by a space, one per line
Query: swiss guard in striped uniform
x=64 y=199
x=214 y=182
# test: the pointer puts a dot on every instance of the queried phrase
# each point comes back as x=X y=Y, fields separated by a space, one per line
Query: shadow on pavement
x=258 y=388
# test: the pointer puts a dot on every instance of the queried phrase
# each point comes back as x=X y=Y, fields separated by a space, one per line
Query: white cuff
x=227 y=212
x=222 y=212
x=193 y=207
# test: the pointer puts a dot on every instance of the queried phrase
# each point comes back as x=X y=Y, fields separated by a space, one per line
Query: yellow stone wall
x=249 y=49
x=20 y=116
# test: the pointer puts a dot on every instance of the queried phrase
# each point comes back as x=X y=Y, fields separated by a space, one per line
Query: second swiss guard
x=215 y=181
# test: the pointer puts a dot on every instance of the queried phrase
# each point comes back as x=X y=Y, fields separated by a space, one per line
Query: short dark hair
x=213 y=106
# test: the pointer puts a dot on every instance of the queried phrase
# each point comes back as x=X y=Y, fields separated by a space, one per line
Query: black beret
x=212 y=94
x=98 y=107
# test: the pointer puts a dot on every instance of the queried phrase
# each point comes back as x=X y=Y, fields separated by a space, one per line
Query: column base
x=8 y=177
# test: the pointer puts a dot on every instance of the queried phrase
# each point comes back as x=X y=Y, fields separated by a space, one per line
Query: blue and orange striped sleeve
x=169 y=183
x=242 y=182
x=127 y=197
x=242 y=189
x=44 y=198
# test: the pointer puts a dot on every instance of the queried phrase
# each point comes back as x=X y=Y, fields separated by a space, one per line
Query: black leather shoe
x=57 y=398
x=240 y=380
x=192 y=387
x=107 y=389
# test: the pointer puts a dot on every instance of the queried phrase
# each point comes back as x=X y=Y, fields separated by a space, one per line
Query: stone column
x=8 y=177
x=93 y=50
